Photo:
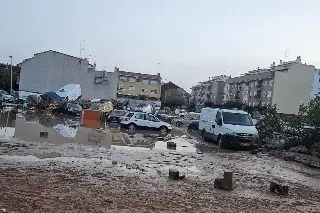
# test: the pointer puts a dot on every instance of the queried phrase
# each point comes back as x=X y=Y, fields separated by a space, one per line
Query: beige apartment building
x=135 y=84
x=288 y=85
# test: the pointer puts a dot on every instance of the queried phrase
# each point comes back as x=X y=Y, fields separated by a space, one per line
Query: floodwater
x=61 y=129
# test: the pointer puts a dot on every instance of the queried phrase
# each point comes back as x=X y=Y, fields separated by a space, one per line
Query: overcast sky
x=191 y=39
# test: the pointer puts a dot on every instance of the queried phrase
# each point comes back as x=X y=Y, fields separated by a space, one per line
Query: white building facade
x=50 y=70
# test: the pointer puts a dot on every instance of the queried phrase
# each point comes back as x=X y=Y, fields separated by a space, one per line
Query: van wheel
x=203 y=136
x=221 y=142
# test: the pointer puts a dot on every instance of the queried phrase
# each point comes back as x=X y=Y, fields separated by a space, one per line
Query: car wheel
x=178 y=124
x=163 y=129
x=132 y=127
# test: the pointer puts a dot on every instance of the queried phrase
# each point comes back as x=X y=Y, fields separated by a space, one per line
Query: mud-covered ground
x=46 y=177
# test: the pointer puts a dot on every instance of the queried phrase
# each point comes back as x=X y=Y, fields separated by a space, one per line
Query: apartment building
x=288 y=85
x=50 y=70
x=211 y=90
x=135 y=84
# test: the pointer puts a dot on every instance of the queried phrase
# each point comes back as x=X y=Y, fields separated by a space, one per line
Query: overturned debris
x=278 y=188
x=227 y=182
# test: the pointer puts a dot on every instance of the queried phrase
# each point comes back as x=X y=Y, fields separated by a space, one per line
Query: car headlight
x=230 y=132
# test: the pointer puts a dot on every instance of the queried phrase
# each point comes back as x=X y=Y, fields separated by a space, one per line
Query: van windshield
x=237 y=119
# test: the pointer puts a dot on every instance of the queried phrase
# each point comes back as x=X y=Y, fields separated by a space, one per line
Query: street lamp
x=11 y=76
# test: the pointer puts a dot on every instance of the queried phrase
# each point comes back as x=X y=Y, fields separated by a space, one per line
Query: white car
x=228 y=127
x=134 y=120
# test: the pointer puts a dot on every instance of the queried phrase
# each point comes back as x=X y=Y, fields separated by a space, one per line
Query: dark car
x=70 y=109
x=115 y=116
x=50 y=96
x=194 y=125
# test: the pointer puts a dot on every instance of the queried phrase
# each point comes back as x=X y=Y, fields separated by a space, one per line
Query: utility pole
x=81 y=46
x=11 y=76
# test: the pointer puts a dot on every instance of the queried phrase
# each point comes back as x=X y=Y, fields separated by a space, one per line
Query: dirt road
x=47 y=177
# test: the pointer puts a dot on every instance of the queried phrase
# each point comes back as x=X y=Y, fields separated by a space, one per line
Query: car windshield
x=237 y=119
x=94 y=107
x=50 y=96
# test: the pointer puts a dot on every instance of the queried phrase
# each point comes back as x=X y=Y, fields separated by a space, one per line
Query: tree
x=269 y=123
x=306 y=125
x=174 y=98
x=208 y=104
x=5 y=77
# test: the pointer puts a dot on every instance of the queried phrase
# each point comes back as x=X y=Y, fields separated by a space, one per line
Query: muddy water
x=59 y=129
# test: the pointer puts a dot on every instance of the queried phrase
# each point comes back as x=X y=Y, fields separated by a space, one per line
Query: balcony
x=259 y=85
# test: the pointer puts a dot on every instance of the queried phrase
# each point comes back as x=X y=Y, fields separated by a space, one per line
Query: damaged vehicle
x=70 y=92
x=229 y=128
x=70 y=109
x=5 y=97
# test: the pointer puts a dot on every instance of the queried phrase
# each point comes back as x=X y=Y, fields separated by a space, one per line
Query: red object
x=88 y=114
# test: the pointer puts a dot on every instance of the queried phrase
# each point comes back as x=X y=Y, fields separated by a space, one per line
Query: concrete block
x=278 y=188
x=227 y=182
x=173 y=174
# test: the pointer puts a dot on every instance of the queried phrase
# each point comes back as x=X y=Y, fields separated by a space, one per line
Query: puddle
x=48 y=155
x=182 y=145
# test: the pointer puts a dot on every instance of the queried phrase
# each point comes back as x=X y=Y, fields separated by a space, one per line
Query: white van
x=70 y=92
x=227 y=127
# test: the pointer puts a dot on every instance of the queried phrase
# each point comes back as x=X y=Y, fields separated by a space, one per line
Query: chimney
x=298 y=60
x=280 y=62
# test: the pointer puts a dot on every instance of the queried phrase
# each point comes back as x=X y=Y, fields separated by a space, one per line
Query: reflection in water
x=59 y=129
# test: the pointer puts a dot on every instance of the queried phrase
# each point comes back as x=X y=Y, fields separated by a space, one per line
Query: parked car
x=186 y=120
x=134 y=120
x=115 y=116
x=194 y=125
x=228 y=127
x=5 y=97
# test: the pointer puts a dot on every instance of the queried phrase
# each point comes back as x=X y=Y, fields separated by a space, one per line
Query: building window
x=154 y=91
x=266 y=83
x=124 y=79
x=154 y=82
x=145 y=90
x=269 y=94
x=131 y=79
x=270 y=83
x=145 y=81
x=131 y=88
